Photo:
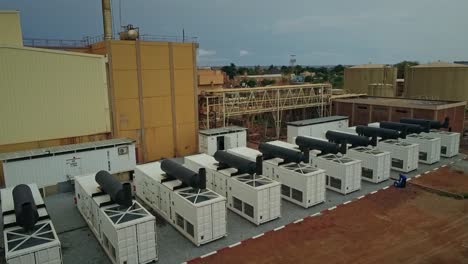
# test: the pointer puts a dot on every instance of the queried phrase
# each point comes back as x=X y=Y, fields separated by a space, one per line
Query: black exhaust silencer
x=25 y=207
x=119 y=193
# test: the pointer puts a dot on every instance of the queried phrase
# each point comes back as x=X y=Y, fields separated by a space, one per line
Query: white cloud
x=206 y=53
x=243 y=53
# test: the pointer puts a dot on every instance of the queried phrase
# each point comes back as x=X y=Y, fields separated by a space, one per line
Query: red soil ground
x=392 y=226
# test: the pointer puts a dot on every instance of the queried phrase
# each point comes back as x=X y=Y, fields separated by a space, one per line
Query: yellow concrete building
x=208 y=78
x=153 y=93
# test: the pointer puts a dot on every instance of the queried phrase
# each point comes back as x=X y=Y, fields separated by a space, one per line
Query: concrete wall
x=10 y=27
x=153 y=93
x=47 y=94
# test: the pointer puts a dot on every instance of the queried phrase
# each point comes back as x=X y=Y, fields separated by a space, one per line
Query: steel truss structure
x=226 y=103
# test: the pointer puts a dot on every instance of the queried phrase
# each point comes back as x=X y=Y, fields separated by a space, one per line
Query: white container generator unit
x=49 y=166
x=182 y=198
x=223 y=138
x=124 y=228
x=429 y=147
x=375 y=162
x=301 y=183
x=316 y=127
x=404 y=155
x=449 y=141
x=28 y=233
x=249 y=193
x=343 y=174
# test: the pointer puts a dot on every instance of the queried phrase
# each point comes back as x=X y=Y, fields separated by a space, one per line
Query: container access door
x=146 y=237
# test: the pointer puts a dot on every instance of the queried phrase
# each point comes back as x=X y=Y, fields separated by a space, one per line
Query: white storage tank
x=199 y=215
x=212 y=140
x=301 y=183
x=375 y=163
x=126 y=233
x=36 y=246
x=404 y=155
x=449 y=142
x=49 y=166
x=343 y=174
x=254 y=197
x=316 y=127
x=429 y=147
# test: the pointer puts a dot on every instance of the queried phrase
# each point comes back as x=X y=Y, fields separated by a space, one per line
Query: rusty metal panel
x=380 y=113
x=361 y=114
x=399 y=112
x=424 y=114
x=342 y=108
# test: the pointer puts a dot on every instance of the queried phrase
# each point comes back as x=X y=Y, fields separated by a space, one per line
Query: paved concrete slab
x=80 y=245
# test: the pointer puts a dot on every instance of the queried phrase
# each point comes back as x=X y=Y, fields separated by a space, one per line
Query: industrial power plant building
x=143 y=90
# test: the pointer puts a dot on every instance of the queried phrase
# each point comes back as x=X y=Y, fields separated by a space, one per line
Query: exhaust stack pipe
x=107 y=19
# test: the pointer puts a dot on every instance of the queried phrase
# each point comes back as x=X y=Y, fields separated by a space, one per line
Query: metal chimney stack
x=107 y=19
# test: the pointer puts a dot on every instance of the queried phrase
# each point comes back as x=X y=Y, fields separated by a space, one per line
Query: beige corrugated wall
x=357 y=80
x=47 y=94
x=449 y=83
x=10 y=28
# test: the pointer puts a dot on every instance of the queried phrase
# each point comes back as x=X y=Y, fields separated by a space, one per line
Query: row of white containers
x=198 y=215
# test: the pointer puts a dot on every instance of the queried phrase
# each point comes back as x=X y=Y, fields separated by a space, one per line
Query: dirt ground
x=449 y=179
x=394 y=225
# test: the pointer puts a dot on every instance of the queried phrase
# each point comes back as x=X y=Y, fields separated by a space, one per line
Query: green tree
x=271 y=69
x=308 y=79
x=251 y=82
x=338 y=69
x=285 y=70
x=242 y=70
x=401 y=66
x=298 y=69
x=266 y=82
x=230 y=70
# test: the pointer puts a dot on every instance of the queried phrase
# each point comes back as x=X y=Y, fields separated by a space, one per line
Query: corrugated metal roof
x=51 y=151
x=317 y=121
x=440 y=64
x=368 y=66
x=222 y=130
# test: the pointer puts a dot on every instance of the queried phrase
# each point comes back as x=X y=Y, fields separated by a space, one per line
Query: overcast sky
x=251 y=32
